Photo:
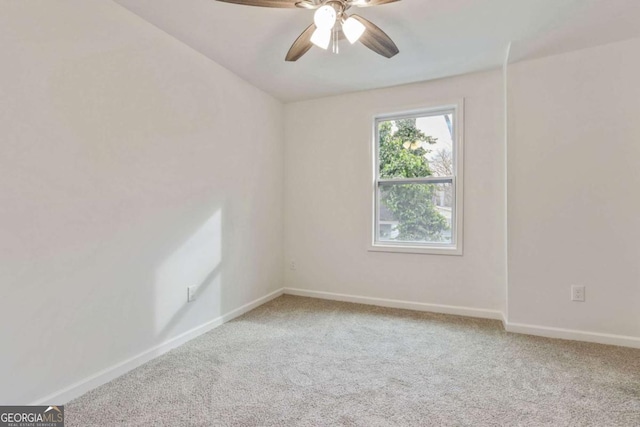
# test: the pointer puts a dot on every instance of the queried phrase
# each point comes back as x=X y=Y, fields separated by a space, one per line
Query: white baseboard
x=106 y=375
x=503 y=319
x=81 y=387
x=573 y=335
x=542 y=331
x=408 y=305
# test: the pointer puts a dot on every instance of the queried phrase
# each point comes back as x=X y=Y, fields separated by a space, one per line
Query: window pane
x=416 y=147
x=415 y=213
x=439 y=154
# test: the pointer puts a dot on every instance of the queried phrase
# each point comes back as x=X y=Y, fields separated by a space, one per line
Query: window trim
x=457 y=180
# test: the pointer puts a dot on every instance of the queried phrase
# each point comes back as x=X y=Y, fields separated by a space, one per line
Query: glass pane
x=415 y=213
x=416 y=147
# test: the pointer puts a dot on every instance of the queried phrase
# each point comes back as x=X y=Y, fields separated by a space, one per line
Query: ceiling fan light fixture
x=321 y=38
x=331 y=24
x=325 y=17
x=353 y=29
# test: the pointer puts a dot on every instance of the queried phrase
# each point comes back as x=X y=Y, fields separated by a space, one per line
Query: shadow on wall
x=197 y=263
x=119 y=191
x=115 y=293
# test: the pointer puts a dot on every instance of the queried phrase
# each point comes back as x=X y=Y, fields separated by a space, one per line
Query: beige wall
x=327 y=204
x=574 y=180
x=131 y=167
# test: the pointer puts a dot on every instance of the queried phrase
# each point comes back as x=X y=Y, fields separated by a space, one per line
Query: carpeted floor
x=306 y=362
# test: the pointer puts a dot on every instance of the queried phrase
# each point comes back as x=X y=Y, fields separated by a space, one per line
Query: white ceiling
x=437 y=38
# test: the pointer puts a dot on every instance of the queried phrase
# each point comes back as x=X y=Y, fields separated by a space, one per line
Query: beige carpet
x=306 y=362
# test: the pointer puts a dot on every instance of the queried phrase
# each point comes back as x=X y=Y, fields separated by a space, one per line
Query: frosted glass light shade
x=321 y=38
x=353 y=30
x=325 y=18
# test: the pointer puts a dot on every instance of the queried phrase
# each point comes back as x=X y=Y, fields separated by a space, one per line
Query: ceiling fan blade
x=376 y=39
x=369 y=3
x=308 y=4
x=264 y=3
x=301 y=45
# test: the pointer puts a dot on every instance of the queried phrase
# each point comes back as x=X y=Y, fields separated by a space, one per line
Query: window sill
x=425 y=250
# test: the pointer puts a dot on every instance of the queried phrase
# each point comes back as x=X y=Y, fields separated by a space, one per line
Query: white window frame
x=457 y=181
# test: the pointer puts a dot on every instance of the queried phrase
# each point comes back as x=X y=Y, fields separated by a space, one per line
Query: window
x=418 y=182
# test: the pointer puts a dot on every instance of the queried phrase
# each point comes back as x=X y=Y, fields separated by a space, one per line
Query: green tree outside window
x=402 y=155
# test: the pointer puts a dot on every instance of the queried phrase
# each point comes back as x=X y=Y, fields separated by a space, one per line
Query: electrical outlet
x=191 y=293
x=578 y=293
x=293 y=266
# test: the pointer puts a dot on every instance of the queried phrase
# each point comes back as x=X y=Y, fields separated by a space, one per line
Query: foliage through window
x=416 y=180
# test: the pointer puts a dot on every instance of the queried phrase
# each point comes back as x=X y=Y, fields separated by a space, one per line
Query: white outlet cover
x=191 y=293
x=578 y=293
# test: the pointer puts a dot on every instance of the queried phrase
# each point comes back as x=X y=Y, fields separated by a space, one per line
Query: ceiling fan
x=331 y=23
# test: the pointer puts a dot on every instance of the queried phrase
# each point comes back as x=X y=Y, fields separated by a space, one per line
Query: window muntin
x=416 y=166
